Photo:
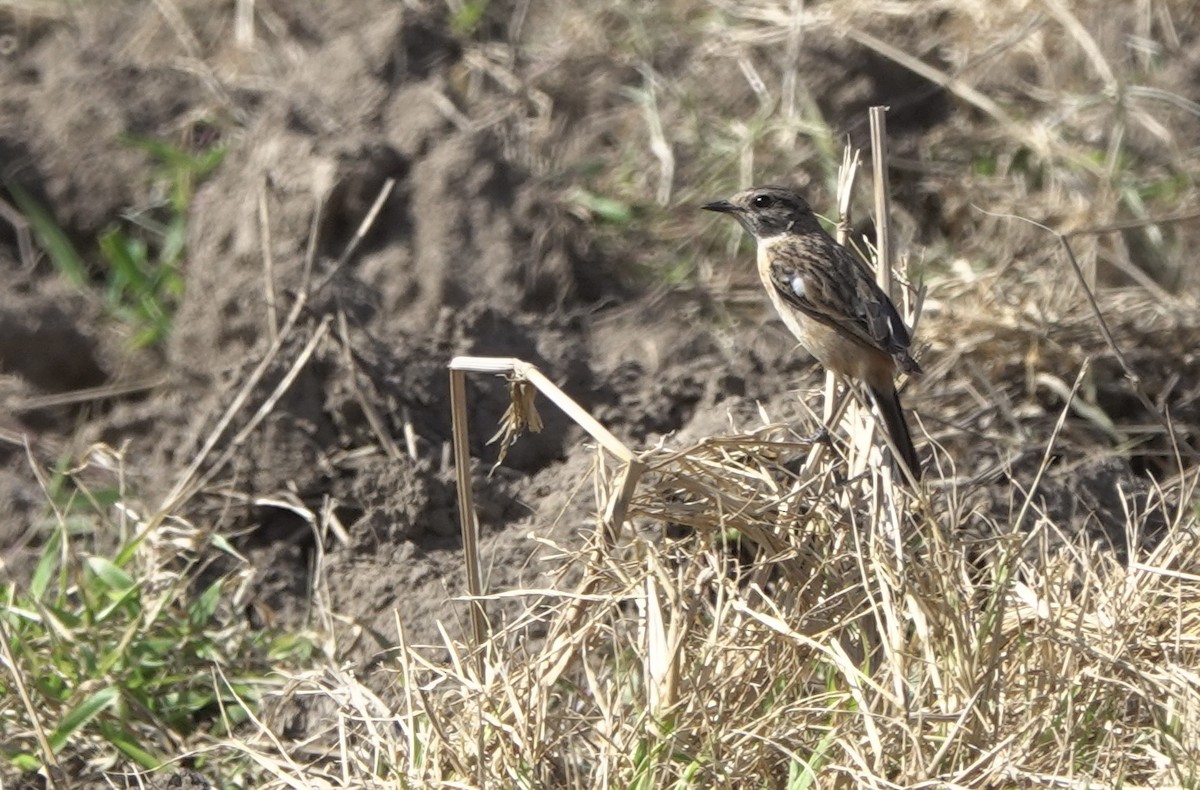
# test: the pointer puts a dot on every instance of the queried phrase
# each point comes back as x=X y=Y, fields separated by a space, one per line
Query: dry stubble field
x=241 y=242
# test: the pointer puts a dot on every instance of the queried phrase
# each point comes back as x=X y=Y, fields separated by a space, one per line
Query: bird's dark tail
x=887 y=401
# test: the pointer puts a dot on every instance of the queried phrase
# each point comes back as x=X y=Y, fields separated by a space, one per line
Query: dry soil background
x=480 y=248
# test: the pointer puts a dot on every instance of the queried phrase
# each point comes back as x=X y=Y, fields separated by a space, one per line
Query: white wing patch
x=797 y=285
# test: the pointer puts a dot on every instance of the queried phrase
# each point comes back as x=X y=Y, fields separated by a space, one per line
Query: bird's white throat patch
x=768 y=242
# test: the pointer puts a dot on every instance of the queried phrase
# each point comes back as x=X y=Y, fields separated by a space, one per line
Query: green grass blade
x=80 y=715
x=47 y=563
x=52 y=238
x=109 y=573
x=202 y=610
x=129 y=746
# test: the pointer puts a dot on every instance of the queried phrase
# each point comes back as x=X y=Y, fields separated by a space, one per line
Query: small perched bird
x=827 y=297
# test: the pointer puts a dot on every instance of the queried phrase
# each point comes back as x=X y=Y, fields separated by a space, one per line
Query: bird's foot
x=820 y=437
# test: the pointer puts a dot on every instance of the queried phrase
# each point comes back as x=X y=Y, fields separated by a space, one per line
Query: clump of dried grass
x=807 y=631
x=1038 y=329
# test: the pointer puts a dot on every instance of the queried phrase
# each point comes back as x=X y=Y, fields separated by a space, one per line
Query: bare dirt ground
x=482 y=246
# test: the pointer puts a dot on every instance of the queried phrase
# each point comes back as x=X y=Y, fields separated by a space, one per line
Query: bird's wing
x=831 y=286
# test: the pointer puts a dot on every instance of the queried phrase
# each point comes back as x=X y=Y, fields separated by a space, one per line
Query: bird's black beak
x=723 y=206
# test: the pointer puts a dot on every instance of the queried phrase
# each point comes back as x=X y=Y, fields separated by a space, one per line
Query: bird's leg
x=820 y=436
x=795 y=462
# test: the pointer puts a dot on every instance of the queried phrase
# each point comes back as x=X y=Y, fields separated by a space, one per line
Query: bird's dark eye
x=763 y=201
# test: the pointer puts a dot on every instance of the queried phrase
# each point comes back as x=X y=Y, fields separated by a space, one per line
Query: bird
x=828 y=298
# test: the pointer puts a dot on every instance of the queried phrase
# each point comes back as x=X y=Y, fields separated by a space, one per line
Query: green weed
x=467 y=19
x=141 y=253
x=138 y=646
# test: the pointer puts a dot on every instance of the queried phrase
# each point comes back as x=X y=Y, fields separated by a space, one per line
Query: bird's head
x=768 y=211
